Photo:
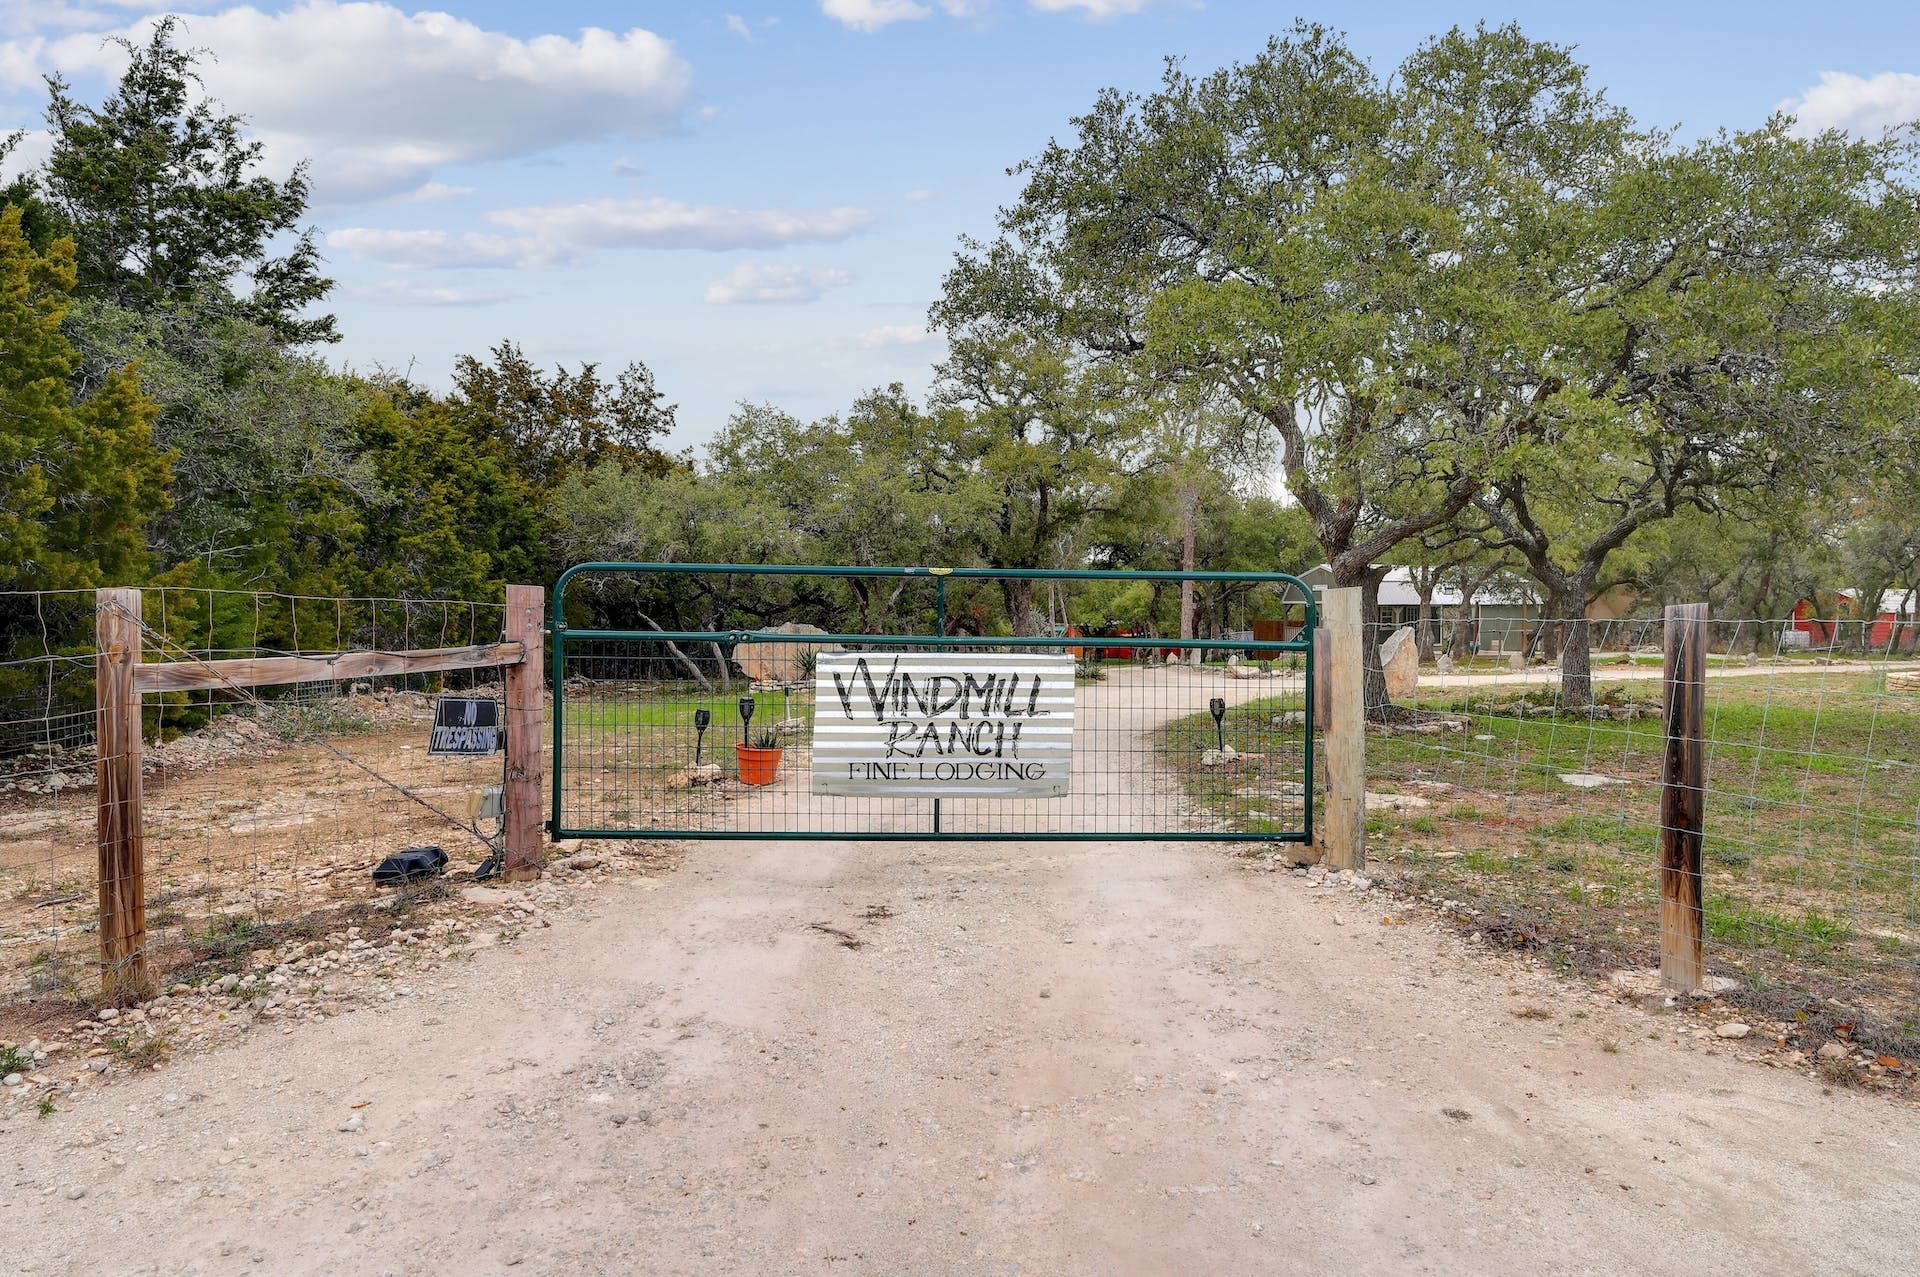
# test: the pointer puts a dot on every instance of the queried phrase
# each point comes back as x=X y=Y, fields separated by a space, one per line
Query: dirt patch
x=1044 y=1058
x=242 y=823
x=240 y=973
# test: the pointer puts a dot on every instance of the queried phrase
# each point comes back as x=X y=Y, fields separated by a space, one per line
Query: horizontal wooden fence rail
x=122 y=679
x=261 y=671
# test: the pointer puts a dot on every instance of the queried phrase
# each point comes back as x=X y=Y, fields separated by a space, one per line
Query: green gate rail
x=636 y=712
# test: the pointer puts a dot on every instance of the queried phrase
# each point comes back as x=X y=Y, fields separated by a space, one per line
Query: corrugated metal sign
x=943 y=724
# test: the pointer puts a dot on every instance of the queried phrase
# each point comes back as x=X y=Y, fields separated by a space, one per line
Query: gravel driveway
x=1039 y=1058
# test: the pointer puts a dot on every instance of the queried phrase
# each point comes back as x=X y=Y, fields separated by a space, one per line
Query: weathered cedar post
x=1683 y=796
x=124 y=972
x=525 y=787
x=1344 y=836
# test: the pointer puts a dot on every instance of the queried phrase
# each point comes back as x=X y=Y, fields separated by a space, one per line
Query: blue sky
x=759 y=201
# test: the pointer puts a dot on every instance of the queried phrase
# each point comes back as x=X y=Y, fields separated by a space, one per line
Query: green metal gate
x=934 y=724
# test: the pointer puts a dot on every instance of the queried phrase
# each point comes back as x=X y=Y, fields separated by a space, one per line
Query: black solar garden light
x=746 y=716
x=1218 y=706
x=702 y=719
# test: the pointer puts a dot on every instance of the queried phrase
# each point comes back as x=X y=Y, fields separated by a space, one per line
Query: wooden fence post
x=1683 y=797
x=525 y=789
x=124 y=972
x=1344 y=832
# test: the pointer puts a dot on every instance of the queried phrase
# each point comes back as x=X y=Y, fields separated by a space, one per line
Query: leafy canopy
x=79 y=477
x=163 y=197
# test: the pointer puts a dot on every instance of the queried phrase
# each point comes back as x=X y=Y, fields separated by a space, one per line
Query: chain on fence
x=1538 y=812
x=262 y=806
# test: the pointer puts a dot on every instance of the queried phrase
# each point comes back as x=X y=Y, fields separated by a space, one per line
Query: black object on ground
x=415 y=864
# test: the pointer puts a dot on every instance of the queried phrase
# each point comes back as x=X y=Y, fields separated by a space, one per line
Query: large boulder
x=1400 y=658
x=779 y=662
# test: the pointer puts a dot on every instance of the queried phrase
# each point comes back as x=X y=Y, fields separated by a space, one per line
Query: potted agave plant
x=760 y=761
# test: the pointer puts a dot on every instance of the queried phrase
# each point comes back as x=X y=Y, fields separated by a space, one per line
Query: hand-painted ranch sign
x=465 y=725
x=943 y=724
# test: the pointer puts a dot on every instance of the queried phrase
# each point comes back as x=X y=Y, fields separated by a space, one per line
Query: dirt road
x=1049 y=1059
x=1021 y=1058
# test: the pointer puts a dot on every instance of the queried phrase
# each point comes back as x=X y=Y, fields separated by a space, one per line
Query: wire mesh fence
x=1147 y=736
x=1494 y=785
x=1490 y=782
x=1132 y=745
x=263 y=809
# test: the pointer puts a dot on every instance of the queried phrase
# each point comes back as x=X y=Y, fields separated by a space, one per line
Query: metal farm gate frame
x=1164 y=746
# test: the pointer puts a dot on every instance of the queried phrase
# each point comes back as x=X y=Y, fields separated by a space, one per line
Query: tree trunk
x=1465 y=624
x=691 y=665
x=1423 y=626
x=1189 y=538
x=1461 y=647
x=1018 y=595
x=1367 y=580
x=862 y=599
x=1569 y=605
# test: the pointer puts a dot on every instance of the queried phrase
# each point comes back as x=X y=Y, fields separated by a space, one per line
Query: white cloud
x=20 y=64
x=624 y=167
x=891 y=335
x=561 y=234
x=29 y=153
x=1092 y=8
x=657 y=222
x=25 y=17
x=430 y=249
x=759 y=283
x=409 y=292
x=738 y=25
x=871 y=15
x=380 y=99
x=432 y=191
x=917 y=196
x=1857 y=104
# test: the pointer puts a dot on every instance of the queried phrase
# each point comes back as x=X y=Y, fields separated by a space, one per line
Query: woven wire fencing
x=1200 y=738
x=643 y=749
x=1540 y=821
x=265 y=809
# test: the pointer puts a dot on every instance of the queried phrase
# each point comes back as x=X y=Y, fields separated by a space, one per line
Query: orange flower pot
x=757 y=766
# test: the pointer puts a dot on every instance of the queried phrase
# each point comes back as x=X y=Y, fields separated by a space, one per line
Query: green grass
x=1809 y=933
x=1245 y=797
x=227 y=942
x=142 y=1053
x=1812 y=844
